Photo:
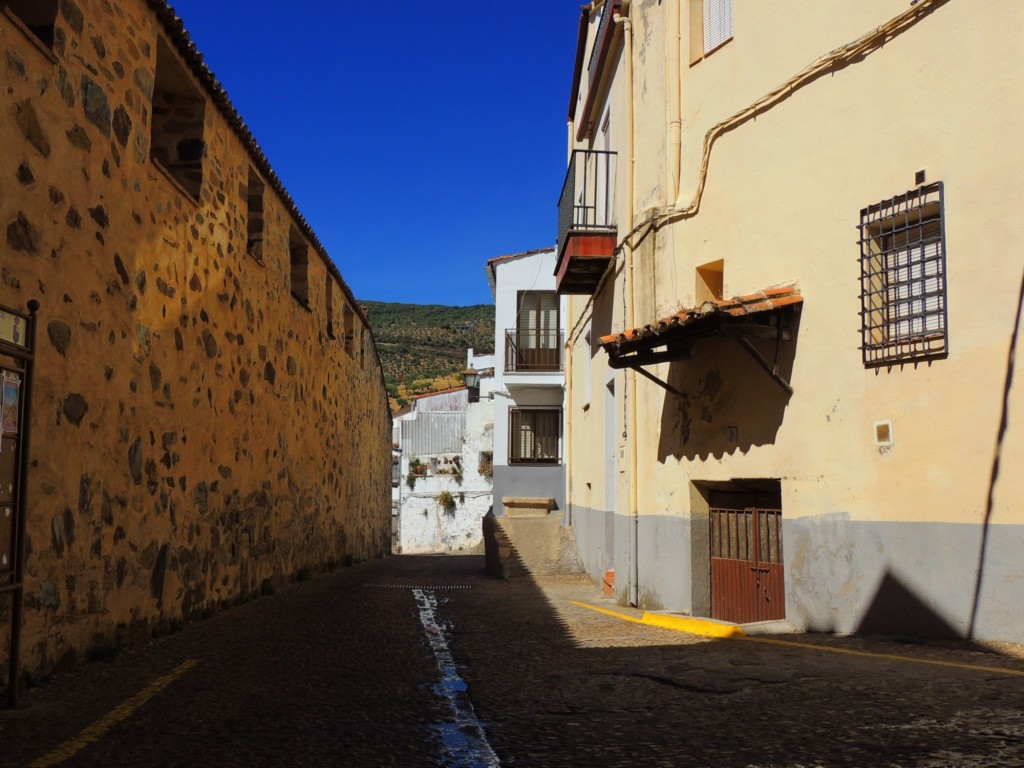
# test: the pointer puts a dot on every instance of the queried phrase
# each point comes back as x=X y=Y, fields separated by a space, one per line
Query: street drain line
x=463 y=740
x=430 y=588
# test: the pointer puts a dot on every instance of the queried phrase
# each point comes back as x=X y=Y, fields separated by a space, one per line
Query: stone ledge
x=527 y=506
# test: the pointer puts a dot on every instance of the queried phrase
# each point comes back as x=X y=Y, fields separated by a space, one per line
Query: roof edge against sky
x=491 y=264
x=174 y=26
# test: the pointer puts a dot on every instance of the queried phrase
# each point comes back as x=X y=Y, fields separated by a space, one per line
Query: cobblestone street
x=425 y=661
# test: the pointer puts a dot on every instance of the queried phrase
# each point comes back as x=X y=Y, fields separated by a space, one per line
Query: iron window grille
x=534 y=435
x=903 y=278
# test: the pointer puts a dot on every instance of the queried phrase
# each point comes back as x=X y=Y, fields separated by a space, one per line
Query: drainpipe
x=567 y=419
x=673 y=101
x=630 y=428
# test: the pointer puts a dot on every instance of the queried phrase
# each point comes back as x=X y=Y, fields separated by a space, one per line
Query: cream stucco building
x=794 y=306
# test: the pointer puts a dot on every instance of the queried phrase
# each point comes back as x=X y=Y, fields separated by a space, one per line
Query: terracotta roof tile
x=737 y=306
x=439 y=392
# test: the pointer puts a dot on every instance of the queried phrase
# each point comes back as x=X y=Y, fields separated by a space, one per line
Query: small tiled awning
x=743 y=317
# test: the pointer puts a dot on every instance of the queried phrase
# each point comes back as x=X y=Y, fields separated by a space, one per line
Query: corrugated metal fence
x=431 y=434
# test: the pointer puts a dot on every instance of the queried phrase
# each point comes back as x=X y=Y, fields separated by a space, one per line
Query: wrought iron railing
x=604 y=28
x=588 y=194
x=532 y=350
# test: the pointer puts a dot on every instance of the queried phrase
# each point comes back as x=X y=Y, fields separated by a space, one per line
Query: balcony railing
x=532 y=350
x=588 y=194
x=586 y=232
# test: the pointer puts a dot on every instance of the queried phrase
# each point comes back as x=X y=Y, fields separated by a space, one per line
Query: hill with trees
x=423 y=346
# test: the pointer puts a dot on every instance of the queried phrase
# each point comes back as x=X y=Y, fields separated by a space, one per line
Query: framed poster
x=11 y=395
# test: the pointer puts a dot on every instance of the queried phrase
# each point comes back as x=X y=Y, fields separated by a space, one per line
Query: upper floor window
x=39 y=16
x=254 y=215
x=330 y=306
x=298 y=253
x=179 y=111
x=535 y=343
x=710 y=26
x=348 y=327
x=903 y=278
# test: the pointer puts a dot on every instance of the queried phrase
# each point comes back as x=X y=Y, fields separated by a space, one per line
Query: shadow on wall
x=729 y=403
x=997 y=454
x=896 y=610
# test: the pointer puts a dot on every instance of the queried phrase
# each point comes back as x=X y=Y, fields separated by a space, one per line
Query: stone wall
x=197 y=433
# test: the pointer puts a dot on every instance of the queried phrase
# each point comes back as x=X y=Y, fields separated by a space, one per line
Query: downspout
x=630 y=428
x=567 y=420
x=673 y=100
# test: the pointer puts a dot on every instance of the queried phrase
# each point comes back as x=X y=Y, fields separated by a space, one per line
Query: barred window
x=533 y=435
x=903 y=278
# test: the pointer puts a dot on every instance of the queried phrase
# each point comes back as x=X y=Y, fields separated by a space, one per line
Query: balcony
x=586 y=234
x=533 y=350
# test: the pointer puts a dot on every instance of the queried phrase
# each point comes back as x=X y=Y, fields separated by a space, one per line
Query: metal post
x=17 y=609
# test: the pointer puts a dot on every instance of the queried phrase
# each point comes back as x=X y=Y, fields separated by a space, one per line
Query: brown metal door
x=747 y=580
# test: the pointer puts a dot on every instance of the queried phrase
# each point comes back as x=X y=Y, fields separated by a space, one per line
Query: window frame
x=903 y=286
x=298 y=267
x=255 y=216
x=180 y=154
x=40 y=26
x=717 y=22
x=705 y=17
x=516 y=416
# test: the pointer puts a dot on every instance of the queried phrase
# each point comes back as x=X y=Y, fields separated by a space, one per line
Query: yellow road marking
x=709 y=628
x=605 y=611
x=889 y=656
x=97 y=730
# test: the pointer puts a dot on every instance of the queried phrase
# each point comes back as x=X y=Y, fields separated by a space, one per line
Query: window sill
x=177 y=184
x=32 y=38
x=703 y=56
x=304 y=303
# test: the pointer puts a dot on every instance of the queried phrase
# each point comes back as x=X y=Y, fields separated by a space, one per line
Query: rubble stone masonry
x=199 y=433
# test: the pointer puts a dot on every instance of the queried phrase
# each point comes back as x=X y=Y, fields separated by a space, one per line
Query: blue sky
x=418 y=139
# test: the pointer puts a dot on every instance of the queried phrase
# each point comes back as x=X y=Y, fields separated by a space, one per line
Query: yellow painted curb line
x=606 y=612
x=678 y=623
x=693 y=626
x=97 y=730
x=732 y=632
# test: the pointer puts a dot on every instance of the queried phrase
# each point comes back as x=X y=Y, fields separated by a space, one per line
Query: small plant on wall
x=446 y=501
x=416 y=469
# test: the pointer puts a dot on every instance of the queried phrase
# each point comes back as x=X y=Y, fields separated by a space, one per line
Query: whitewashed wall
x=424 y=525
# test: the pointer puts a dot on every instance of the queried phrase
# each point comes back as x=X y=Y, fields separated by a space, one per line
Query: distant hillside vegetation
x=423 y=346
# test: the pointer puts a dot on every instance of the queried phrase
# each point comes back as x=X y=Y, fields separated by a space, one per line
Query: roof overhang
x=754 y=316
x=605 y=45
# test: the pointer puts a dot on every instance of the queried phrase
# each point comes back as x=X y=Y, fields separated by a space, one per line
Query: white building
x=529 y=380
x=441 y=484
